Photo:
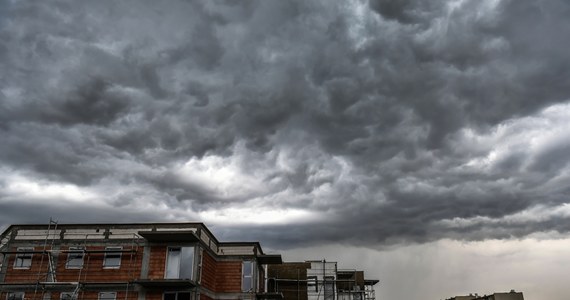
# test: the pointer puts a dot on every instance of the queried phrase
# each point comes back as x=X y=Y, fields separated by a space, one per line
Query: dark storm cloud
x=408 y=11
x=12 y=214
x=383 y=119
x=88 y=105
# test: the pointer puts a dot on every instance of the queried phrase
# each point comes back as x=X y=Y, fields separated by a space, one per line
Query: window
x=179 y=262
x=312 y=284
x=247 y=276
x=177 y=296
x=68 y=296
x=112 y=257
x=15 y=296
x=23 y=260
x=107 y=296
x=74 y=258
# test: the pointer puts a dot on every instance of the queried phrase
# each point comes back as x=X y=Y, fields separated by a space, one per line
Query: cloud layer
x=290 y=122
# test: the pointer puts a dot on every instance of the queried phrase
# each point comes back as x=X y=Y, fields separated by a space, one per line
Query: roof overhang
x=371 y=281
x=169 y=236
x=15 y=286
x=62 y=286
x=270 y=259
x=165 y=283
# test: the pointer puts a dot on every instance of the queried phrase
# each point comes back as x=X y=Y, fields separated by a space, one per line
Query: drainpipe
x=265 y=279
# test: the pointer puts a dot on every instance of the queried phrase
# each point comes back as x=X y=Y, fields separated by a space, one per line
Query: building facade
x=512 y=295
x=164 y=261
x=319 y=280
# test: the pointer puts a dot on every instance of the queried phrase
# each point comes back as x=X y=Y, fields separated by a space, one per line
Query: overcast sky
x=430 y=139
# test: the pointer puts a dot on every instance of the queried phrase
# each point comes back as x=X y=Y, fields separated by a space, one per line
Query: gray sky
x=417 y=133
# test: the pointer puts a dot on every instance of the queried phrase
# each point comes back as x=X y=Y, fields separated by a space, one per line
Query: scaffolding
x=325 y=282
x=46 y=279
x=357 y=294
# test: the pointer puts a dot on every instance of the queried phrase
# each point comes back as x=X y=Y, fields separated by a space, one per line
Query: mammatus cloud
x=290 y=122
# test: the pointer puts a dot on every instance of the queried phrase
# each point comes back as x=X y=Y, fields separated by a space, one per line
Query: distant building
x=470 y=297
x=319 y=280
x=512 y=295
x=157 y=261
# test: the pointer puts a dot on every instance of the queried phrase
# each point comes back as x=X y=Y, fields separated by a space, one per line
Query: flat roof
x=371 y=281
x=169 y=236
x=270 y=259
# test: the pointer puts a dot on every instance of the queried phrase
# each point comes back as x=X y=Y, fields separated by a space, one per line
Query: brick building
x=165 y=261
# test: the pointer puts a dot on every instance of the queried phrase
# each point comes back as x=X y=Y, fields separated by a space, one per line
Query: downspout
x=265 y=279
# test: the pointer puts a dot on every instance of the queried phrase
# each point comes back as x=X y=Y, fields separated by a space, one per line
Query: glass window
x=177 y=296
x=247 y=276
x=15 y=296
x=75 y=258
x=67 y=296
x=112 y=257
x=173 y=262
x=23 y=260
x=180 y=262
x=312 y=284
x=107 y=296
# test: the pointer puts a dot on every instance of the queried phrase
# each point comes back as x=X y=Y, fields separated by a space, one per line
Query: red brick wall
x=209 y=267
x=157 y=262
x=153 y=295
x=90 y=295
x=228 y=277
x=93 y=270
x=204 y=297
x=29 y=295
x=31 y=274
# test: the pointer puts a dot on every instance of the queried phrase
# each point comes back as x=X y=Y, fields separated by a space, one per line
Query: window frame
x=72 y=251
x=190 y=250
x=61 y=294
x=101 y=293
x=26 y=255
x=115 y=250
x=23 y=295
x=251 y=276
x=177 y=293
x=312 y=284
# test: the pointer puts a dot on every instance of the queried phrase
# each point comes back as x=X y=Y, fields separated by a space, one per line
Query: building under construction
x=156 y=261
x=316 y=280
x=512 y=295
